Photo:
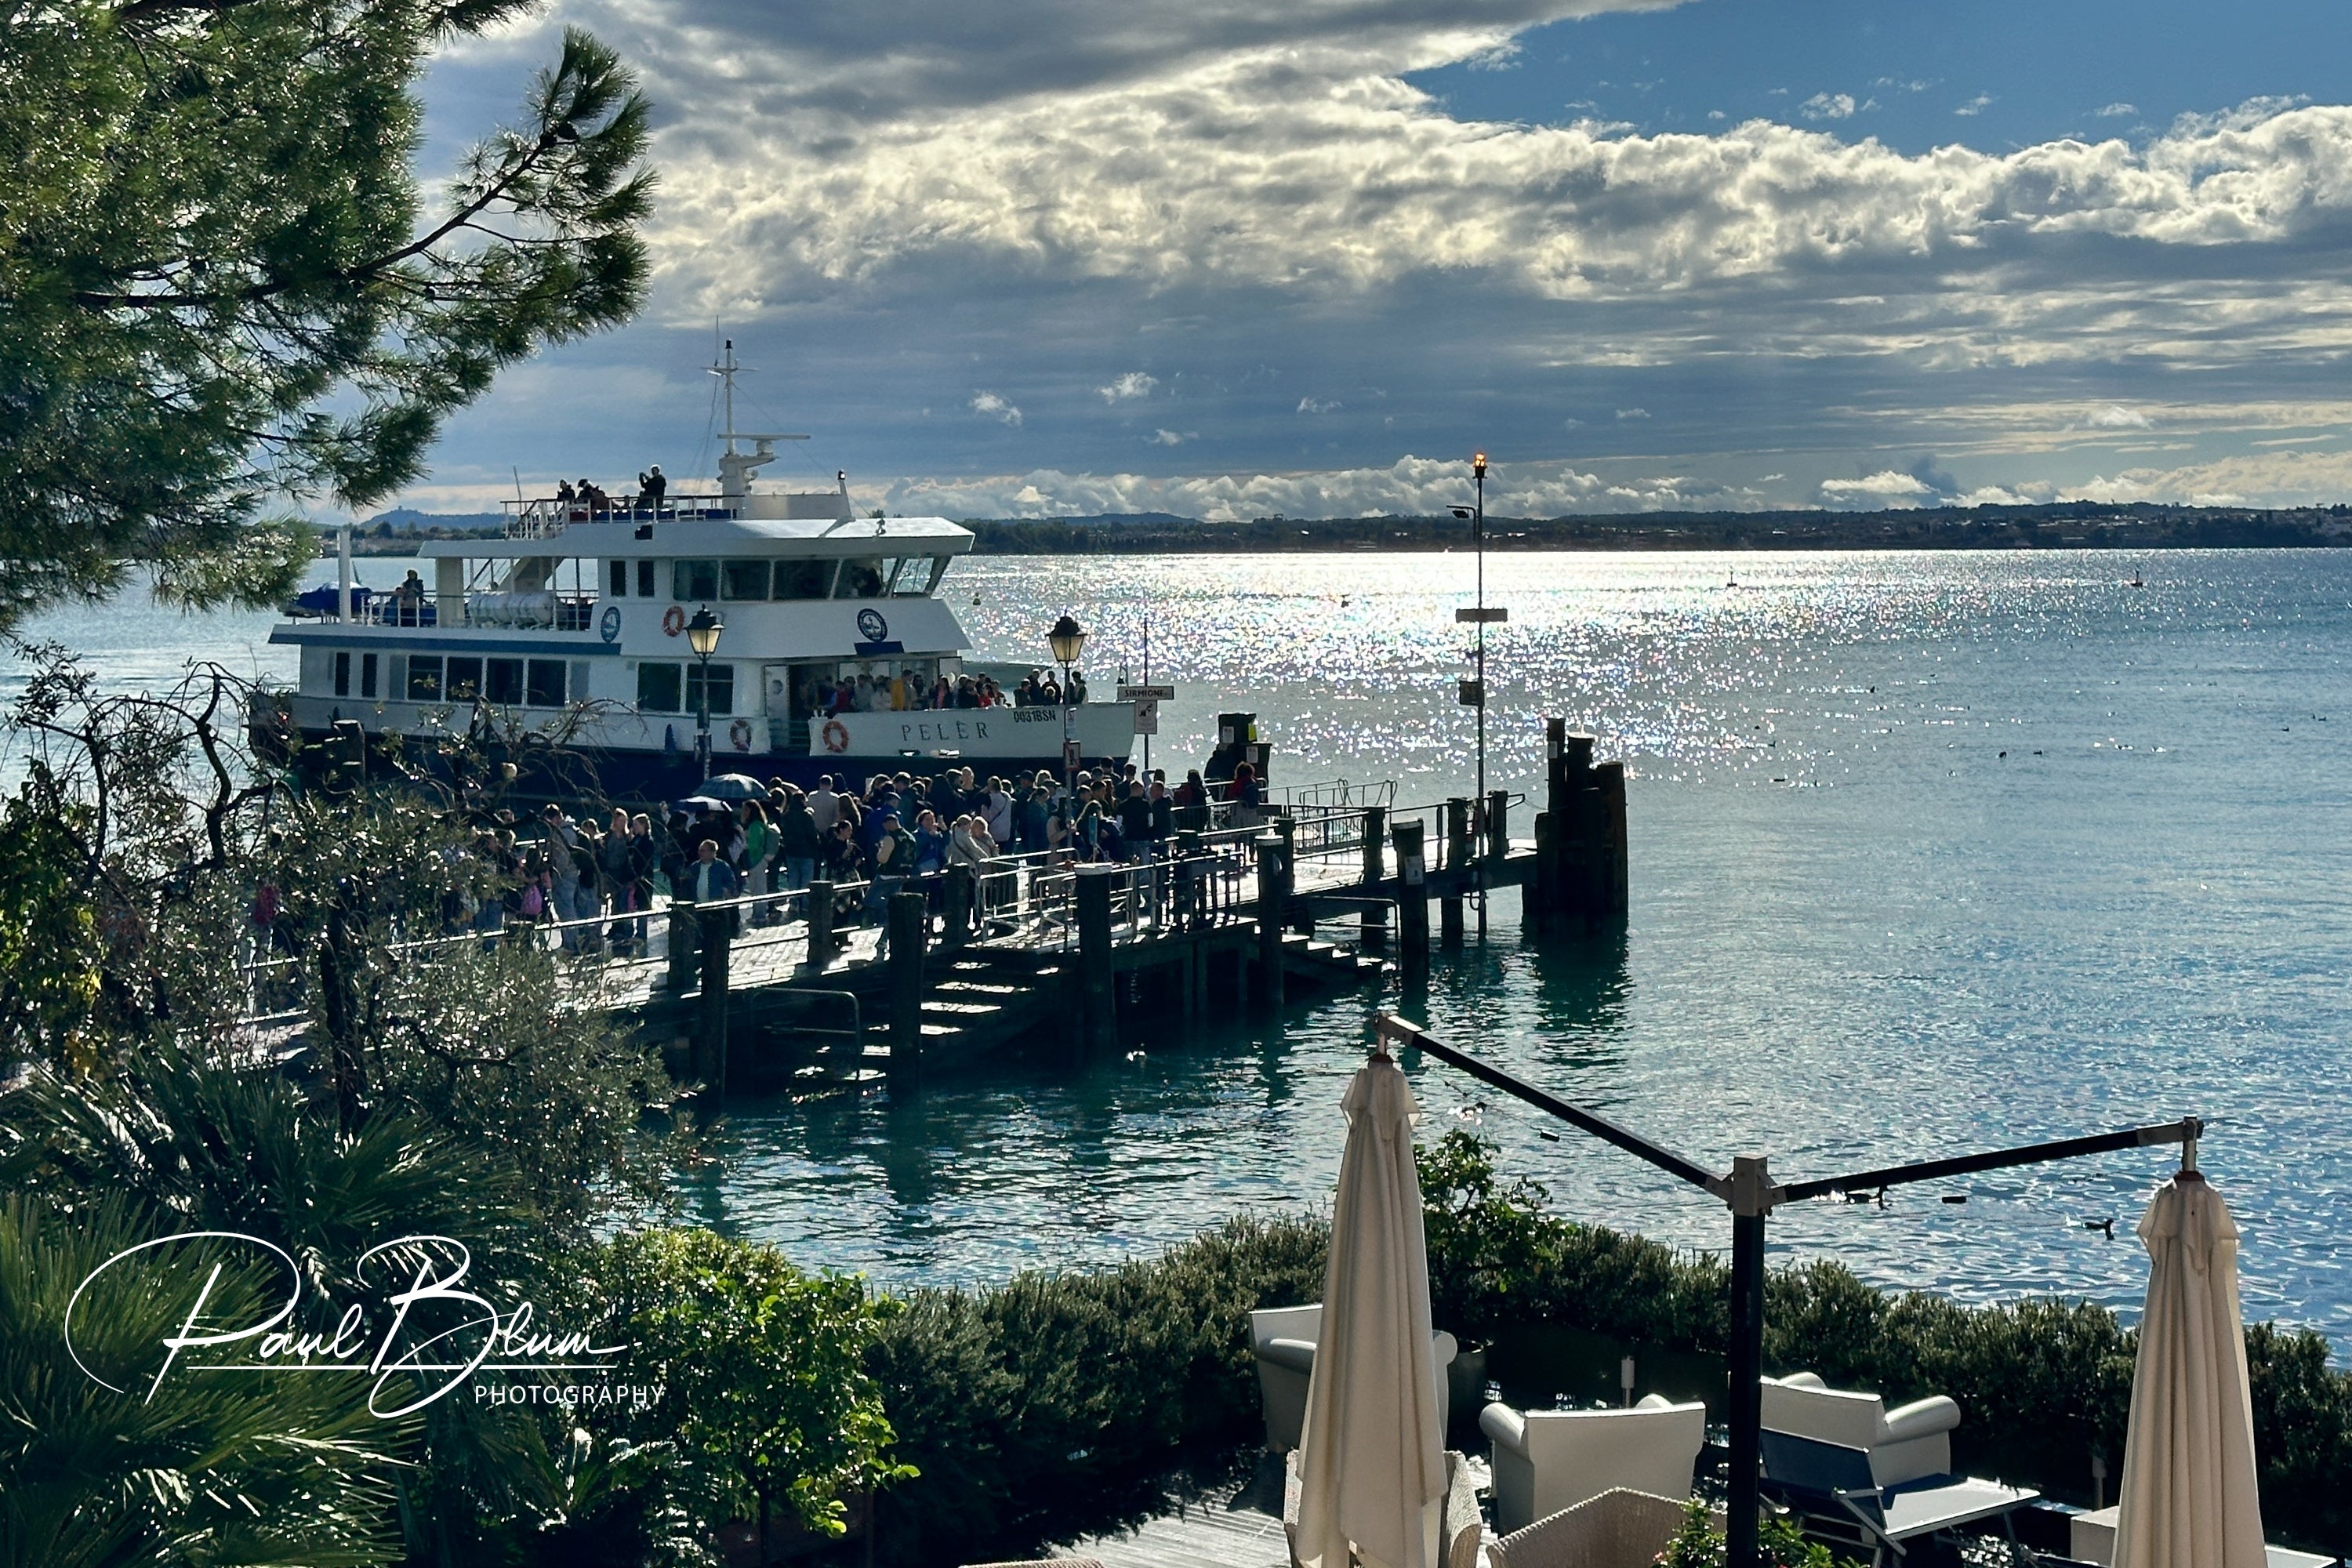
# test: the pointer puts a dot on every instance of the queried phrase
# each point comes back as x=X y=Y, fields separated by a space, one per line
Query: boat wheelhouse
x=572 y=623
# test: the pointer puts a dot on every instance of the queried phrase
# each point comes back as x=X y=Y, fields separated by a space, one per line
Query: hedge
x=1062 y=1403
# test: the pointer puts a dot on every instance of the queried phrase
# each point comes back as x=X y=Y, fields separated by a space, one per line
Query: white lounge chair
x=1904 y=1444
x=1618 y=1529
x=1282 y=1341
x=2093 y=1541
x=1453 y=1525
x=1546 y=1461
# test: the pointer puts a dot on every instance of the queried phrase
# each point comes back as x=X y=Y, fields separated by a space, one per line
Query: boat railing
x=547 y=609
x=543 y=517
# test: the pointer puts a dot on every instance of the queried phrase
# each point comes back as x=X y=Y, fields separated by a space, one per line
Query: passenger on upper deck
x=651 y=488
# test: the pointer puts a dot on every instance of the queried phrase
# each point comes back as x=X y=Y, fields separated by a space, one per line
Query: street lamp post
x=1067 y=640
x=702 y=637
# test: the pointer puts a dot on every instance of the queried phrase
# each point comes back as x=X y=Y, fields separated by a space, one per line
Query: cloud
x=1172 y=438
x=1887 y=488
x=1633 y=413
x=1318 y=405
x=1501 y=57
x=1828 y=106
x=1134 y=383
x=2115 y=416
x=995 y=406
x=1975 y=106
x=2117 y=111
x=1412 y=486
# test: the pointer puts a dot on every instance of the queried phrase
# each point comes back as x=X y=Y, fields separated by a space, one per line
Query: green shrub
x=1698 y=1544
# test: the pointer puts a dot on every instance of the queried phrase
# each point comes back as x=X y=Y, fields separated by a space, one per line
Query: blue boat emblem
x=609 y=628
x=871 y=625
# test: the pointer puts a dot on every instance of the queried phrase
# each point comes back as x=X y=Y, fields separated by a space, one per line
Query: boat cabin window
x=620 y=575
x=862 y=579
x=342 y=673
x=744 y=579
x=510 y=682
x=660 y=687
x=367 y=675
x=664 y=688
x=544 y=683
x=423 y=678
x=462 y=681
x=694 y=580
x=802 y=579
x=644 y=579
x=919 y=576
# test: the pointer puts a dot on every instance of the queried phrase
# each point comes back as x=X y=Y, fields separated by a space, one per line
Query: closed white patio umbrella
x=2189 y=1498
x=1372 y=1449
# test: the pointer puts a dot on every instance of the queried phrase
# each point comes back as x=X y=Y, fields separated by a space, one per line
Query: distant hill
x=2072 y=525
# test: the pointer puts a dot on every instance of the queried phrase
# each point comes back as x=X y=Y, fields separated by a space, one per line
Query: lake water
x=1930 y=852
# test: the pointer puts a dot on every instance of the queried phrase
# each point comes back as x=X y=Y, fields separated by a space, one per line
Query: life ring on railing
x=673 y=621
x=836 y=735
x=739 y=732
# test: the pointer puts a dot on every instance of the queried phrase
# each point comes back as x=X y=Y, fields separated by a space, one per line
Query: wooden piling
x=1098 y=1004
x=717 y=932
x=1617 y=884
x=1539 y=898
x=908 y=917
x=1375 y=924
x=961 y=886
x=1457 y=832
x=1498 y=826
x=821 y=945
x=681 y=945
x=1270 y=903
x=1413 y=905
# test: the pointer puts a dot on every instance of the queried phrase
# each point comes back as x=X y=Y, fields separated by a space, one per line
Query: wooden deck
x=1231 y=1526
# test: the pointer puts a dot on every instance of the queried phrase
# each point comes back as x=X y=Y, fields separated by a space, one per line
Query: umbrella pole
x=1751 y=1199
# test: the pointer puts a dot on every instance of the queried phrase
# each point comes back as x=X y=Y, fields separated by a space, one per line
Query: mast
x=735 y=467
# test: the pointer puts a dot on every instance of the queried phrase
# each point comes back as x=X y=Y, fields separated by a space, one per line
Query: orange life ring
x=836 y=736
x=673 y=621
x=739 y=732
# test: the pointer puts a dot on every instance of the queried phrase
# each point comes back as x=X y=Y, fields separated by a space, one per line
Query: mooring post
x=1457 y=834
x=1751 y=1198
x=681 y=944
x=1413 y=905
x=1376 y=843
x=1542 y=908
x=710 y=1014
x=961 y=886
x=1097 y=1003
x=1190 y=891
x=820 y=924
x=1270 y=902
x=1611 y=851
x=910 y=917
x=1498 y=826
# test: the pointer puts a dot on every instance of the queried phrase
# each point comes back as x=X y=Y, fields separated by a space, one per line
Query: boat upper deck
x=691 y=528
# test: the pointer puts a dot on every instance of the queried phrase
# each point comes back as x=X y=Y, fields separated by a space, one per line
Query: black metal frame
x=1750 y=1193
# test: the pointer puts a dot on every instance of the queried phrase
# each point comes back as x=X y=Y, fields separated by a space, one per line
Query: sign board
x=1473 y=693
x=1070 y=757
x=1147 y=694
x=1412 y=871
x=1147 y=715
x=1491 y=615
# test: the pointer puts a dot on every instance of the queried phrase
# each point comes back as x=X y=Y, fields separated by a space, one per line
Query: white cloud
x=1828 y=106
x=1134 y=383
x=1633 y=413
x=1174 y=437
x=1887 y=488
x=2115 y=416
x=995 y=406
x=1318 y=405
x=2117 y=110
x=1501 y=57
x=1975 y=106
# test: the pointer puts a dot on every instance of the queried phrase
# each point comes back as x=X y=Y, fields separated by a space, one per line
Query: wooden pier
x=800 y=991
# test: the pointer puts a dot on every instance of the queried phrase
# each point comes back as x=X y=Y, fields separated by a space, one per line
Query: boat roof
x=823 y=538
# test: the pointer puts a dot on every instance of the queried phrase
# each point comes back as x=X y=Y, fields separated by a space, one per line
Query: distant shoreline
x=2064 y=526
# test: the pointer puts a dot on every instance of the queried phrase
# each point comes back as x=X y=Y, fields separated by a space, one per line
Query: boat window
x=367 y=675
x=721 y=677
x=343 y=673
x=423 y=678
x=660 y=687
x=918 y=577
x=802 y=579
x=464 y=679
x=620 y=579
x=505 y=684
x=860 y=580
x=545 y=687
x=743 y=580
x=644 y=579
x=694 y=580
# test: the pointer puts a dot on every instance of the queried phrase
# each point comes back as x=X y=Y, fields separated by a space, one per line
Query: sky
x=1224 y=258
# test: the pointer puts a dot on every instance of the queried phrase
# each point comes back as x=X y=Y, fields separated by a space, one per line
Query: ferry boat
x=571 y=627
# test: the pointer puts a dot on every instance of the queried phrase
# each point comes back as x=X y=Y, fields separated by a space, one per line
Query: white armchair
x=1282 y=1341
x=1546 y=1461
x=1904 y=1444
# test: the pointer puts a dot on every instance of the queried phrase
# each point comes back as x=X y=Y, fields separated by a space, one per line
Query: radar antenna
x=735 y=467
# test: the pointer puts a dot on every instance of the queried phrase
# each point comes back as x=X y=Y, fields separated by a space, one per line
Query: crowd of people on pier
x=596 y=880
x=908 y=692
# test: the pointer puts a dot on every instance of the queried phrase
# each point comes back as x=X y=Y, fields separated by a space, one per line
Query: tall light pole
x=702 y=637
x=1477 y=694
x=1067 y=640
